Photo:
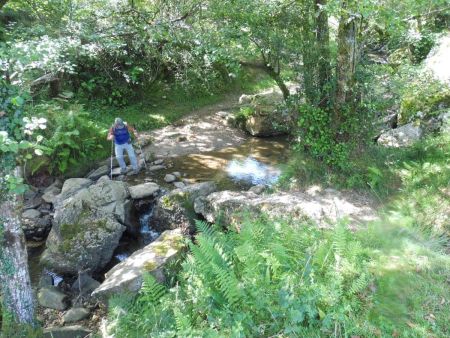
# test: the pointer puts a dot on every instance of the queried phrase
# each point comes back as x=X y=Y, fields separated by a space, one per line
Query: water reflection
x=252 y=171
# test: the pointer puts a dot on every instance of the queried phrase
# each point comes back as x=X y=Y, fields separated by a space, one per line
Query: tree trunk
x=323 y=42
x=272 y=73
x=346 y=63
x=14 y=275
x=309 y=52
x=279 y=81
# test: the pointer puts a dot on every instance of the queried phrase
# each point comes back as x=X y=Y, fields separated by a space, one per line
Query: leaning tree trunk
x=14 y=277
x=346 y=64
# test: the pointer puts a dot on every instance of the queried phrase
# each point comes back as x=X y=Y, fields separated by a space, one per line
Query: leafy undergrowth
x=75 y=135
x=278 y=278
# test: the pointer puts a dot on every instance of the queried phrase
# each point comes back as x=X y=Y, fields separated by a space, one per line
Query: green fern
x=151 y=291
x=359 y=284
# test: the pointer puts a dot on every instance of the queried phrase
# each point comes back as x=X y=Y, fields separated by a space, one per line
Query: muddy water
x=257 y=161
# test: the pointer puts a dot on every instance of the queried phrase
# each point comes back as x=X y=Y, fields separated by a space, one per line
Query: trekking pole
x=112 y=150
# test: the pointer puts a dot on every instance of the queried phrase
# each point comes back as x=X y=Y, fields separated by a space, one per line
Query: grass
x=410 y=245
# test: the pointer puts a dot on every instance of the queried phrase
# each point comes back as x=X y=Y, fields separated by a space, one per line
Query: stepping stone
x=75 y=331
x=75 y=314
x=144 y=190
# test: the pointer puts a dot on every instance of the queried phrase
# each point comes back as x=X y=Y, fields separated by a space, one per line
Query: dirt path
x=203 y=130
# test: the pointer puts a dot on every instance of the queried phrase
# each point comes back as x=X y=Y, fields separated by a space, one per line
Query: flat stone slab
x=156 y=167
x=74 y=331
x=75 y=314
x=144 y=190
x=127 y=275
x=99 y=172
x=31 y=214
x=52 y=298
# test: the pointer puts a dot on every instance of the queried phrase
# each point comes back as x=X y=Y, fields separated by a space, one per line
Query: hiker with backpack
x=120 y=133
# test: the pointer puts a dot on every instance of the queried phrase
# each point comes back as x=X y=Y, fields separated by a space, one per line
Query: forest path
x=205 y=129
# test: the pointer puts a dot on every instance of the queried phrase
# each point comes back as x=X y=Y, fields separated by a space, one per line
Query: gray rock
x=84 y=284
x=176 y=209
x=99 y=172
x=177 y=174
x=127 y=275
x=52 y=298
x=158 y=162
x=267 y=118
x=31 y=214
x=401 y=137
x=50 y=194
x=169 y=178
x=257 y=189
x=33 y=203
x=179 y=185
x=222 y=114
x=87 y=227
x=156 y=167
x=72 y=185
x=45 y=280
x=323 y=208
x=75 y=314
x=57 y=184
x=144 y=190
x=74 y=331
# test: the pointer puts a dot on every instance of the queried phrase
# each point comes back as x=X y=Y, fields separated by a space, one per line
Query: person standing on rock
x=120 y=133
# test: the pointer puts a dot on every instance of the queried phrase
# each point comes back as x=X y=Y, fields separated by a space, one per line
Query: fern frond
x=359 y=284
x=205 y=229
x=151 y=291
x=182 y=322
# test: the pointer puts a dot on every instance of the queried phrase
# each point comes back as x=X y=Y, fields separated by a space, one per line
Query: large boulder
x=266 y=117
x=87 y=226
x=176 y=209
x=401 y=137
x=127 y=276
x=72 y=185
x=322 y=208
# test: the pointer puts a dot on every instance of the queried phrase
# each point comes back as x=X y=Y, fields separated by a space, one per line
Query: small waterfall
x=148 y=234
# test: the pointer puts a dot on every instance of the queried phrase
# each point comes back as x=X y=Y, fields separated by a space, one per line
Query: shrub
x=423 y=95
x=70 y=139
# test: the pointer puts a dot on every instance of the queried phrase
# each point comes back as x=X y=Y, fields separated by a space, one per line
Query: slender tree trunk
x=323 y=43
x=14 y=276
x=272 y=73
x=346 y=63
x=279 y=81
x=309 y=52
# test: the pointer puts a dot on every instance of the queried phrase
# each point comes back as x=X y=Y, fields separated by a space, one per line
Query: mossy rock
x=430 y=104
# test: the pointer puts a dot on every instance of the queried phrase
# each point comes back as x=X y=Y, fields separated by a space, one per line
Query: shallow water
x=257 y=161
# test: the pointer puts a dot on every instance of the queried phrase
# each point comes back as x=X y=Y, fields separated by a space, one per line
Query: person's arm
x=135 y=133
x=110 y=136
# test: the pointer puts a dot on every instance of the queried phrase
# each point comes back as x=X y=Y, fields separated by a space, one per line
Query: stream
x=257 y=161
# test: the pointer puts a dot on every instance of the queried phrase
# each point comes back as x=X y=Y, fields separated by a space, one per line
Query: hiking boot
x=123 y=171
